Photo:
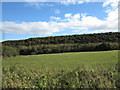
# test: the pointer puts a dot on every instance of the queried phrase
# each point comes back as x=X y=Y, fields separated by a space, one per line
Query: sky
x=22 y=20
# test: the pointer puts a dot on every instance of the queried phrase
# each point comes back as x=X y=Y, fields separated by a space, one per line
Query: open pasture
x=64 y=60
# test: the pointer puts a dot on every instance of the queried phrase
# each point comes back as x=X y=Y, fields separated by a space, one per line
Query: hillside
x=60 y=44
x=82 y=39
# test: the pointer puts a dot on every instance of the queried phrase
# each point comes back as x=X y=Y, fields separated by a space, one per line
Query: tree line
x=60 y=44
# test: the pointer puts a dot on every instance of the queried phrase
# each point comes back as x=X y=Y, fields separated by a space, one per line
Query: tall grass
x=66 y=70
x=82 y=77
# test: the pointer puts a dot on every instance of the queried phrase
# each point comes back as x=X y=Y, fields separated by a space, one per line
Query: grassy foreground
x=66 y=70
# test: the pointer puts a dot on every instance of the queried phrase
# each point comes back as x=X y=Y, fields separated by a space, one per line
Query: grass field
x=64 y=60
x=50 y=70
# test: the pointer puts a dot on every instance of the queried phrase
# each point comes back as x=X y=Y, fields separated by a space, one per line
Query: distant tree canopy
x=60 y=44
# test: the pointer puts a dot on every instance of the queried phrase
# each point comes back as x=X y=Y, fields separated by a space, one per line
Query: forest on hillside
x=61 y=44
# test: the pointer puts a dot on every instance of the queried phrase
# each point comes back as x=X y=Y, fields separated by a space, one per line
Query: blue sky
x=20 y=12
x=23 y=20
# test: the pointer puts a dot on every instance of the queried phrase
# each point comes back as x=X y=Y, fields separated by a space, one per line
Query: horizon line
x=56 y=36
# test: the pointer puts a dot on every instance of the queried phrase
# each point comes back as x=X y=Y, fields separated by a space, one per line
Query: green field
x=96 y=69
x=64 y=60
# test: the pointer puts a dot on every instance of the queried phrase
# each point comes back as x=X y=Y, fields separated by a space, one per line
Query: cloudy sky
x=21 y=20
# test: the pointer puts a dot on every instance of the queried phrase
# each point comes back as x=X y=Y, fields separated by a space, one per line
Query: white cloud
x=37 y=28
x=68 y=2
x=67 y=15
x=76 y=16
x=76 y=30
x=38 y=4
x=84 y=22
x=55 y=18
x=77 y=23
x=112 y=11
x=32 y=4
x=80 y=2
x=112 y=3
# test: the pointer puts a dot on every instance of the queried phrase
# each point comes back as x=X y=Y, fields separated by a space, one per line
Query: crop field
x=74 y=70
